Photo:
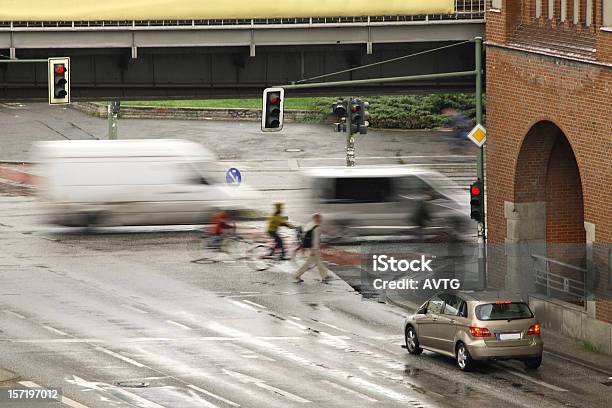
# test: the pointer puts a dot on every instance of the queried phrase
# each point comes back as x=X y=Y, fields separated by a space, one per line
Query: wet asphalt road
x=123 y=319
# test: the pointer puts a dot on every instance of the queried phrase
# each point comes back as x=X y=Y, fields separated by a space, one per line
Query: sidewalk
x=554 y=343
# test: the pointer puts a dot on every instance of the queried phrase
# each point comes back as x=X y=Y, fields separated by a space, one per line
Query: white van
x=381 y=200
x=133 y=182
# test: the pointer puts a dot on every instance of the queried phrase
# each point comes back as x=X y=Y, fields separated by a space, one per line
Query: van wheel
x=412 y=341
x=533 y=363
x=464 y=360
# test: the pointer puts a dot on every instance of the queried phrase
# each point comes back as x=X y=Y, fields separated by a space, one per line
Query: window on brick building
x=607 y=13
x=496 y=4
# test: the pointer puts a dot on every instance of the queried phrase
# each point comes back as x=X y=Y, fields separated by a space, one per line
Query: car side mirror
x=422 y=310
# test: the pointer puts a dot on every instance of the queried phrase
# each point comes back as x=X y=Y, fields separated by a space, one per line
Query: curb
x=7 y=375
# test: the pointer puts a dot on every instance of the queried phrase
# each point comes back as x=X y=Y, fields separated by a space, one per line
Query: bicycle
x=232 y=245
x=259 y=258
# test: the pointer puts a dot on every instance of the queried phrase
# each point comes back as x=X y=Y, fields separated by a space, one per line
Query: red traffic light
x=274 y=98
x=60 y=69
x=475 y=190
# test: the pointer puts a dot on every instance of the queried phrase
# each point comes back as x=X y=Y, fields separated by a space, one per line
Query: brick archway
x=547 y=175
x=546 y=218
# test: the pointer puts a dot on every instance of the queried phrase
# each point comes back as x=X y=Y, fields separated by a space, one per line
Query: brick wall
x=533 y=102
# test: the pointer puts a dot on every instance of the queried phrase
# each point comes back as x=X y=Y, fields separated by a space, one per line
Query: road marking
x=121 y=357
x=247 y=379
x=301 y=326
x=177 y=324
x=284 y=393
x=249 y=293
x=135 y=309
x=295 y=318
x=348 y=390
x=533 y=380
x=331 y=325
x=20 y=316
x=242 y=305
x=65 y=400
x=210 y=394
x=54 y=330
x=254 y=304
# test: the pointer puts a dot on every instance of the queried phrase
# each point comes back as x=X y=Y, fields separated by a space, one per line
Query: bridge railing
x=464 y=10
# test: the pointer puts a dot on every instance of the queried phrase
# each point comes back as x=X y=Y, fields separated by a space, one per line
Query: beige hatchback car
x=476 y=326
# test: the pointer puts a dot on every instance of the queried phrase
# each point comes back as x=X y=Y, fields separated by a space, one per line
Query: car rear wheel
x=464 y=360
x=412 y=341
x=533 y=363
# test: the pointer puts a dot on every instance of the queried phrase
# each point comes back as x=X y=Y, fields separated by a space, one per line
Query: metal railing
x=560 y=280
x=464 y=10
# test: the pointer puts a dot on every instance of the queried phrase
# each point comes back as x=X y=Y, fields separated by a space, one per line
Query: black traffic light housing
x=477 y=201
x=272 y=110
x=59 y=80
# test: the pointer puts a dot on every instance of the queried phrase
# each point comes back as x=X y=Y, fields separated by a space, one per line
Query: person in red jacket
x=219 y=224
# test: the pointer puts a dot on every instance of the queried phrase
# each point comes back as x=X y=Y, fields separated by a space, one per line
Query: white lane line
x=533 y=380
x=295 y=318
x=301 y=326
x=135 y=309
x=348 y=390
x=247 y=379
x=177 y=324
x=254 y=304
x=210 y=394
x=244 y=306
x=54 y=330
x=332 y=326
x=121 y=357
x=249 y=293
x=284 y=393
x=65 y=400
x=17 y=315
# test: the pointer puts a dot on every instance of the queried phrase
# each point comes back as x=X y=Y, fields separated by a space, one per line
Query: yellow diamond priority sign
x=478 y=135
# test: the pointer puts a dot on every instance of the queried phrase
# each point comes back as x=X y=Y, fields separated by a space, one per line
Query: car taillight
x=534 y=330
x=480 y=332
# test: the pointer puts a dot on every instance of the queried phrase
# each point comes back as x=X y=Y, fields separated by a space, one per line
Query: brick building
x=549 y=158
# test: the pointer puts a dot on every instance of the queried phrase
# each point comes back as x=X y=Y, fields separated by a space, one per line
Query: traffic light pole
x=113 y=116
x=482 y=231
x=350 y=139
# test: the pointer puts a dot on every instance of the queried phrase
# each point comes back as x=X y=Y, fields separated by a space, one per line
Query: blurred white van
x=386 y=200
x=133 y=182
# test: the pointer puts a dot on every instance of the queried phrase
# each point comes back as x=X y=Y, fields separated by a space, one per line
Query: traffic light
x=59 y=81
x=339 y=108
x=272 y=112
x=477 y=201
x=365 y=117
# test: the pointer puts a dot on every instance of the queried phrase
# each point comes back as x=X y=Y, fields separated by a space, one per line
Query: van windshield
x=503 y=311
x=356 y=190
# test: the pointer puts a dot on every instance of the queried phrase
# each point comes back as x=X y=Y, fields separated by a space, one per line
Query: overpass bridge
x=237 y=57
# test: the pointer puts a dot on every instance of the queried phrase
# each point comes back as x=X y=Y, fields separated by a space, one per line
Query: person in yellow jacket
x=275 y=221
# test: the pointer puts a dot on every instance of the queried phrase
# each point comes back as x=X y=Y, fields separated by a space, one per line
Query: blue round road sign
x=233 y=177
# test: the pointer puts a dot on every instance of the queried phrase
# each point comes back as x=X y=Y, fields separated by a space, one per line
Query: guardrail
x=464 y=10
x=557 y=284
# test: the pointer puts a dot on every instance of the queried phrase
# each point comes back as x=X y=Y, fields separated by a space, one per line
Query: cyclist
x=220 y=223
x=275 y=221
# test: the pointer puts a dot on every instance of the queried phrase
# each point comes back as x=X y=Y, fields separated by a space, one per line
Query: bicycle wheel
x=258 y=258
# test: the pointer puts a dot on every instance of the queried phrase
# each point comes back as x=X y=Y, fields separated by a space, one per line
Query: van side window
x=363 y=189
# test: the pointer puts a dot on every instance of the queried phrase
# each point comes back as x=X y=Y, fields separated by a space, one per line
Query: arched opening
x=548 y=214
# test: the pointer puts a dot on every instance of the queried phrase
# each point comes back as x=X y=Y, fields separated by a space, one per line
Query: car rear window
x=503 y=311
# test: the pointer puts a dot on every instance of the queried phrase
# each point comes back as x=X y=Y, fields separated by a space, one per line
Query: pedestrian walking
x=312 y=243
